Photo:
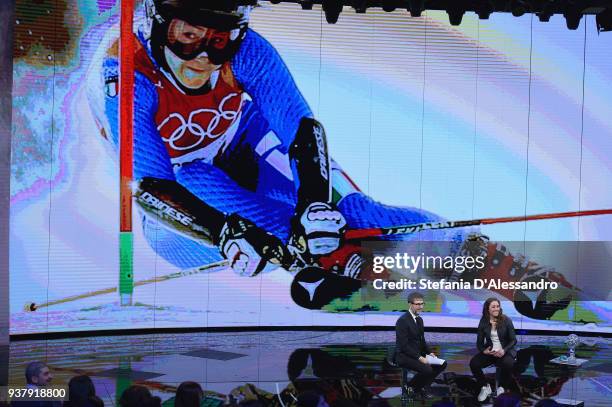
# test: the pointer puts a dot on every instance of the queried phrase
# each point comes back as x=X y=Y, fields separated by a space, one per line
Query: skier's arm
x=317 y=223
x=247 y=247
x=177 y=208
x=310 y=163
x=260 y=70
x=265 y=77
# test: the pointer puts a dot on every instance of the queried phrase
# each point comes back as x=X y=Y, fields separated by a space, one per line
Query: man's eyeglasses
x=418 y=303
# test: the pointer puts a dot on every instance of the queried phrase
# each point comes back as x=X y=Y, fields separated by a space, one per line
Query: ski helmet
x=226 y=23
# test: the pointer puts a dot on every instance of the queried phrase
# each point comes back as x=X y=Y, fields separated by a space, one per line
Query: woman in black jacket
x=495 y=343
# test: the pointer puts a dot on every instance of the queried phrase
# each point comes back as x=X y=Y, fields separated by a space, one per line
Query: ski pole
x=418 y=227
x=32 y=306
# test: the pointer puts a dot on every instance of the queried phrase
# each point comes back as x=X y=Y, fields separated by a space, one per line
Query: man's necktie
x=419 y=322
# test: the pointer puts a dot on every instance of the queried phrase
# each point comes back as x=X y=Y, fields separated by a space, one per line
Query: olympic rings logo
x=196 y=128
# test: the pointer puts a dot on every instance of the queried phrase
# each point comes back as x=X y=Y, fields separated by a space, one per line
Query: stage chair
x=407 y=374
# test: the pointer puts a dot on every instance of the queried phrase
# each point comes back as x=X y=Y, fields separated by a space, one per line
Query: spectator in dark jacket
x=37 y=375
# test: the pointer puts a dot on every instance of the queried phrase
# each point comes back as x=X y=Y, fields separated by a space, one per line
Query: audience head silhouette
x=188 y=394
x=138 y=396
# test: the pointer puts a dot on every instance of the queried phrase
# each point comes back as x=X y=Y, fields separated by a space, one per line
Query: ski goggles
x=188 y=41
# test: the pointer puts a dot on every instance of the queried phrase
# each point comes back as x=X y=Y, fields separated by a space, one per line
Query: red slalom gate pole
x=126 y=151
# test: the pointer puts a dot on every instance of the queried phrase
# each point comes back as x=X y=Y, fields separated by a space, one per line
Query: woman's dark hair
x=80 y=388
x=188 y=394
x=138 y=396
x=501 y=318
x=82 y=393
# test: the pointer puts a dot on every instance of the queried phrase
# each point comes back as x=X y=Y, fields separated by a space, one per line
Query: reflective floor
x=275 y=366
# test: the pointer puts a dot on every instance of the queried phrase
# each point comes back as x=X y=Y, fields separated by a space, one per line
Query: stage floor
x=338 y=364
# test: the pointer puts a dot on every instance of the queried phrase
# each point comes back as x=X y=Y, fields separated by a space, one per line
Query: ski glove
x=323 y=226
x=248 y=247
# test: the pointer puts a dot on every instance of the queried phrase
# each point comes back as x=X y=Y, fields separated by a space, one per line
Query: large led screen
x=417 y=123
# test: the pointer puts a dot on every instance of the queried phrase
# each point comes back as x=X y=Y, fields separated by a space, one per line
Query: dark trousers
x=425 y=374
x=505 y=363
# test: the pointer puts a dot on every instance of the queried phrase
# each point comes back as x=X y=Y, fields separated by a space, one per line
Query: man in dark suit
x=37 y=376
x=411 y=347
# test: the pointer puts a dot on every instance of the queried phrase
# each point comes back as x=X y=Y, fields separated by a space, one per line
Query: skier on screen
x=227 y=150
